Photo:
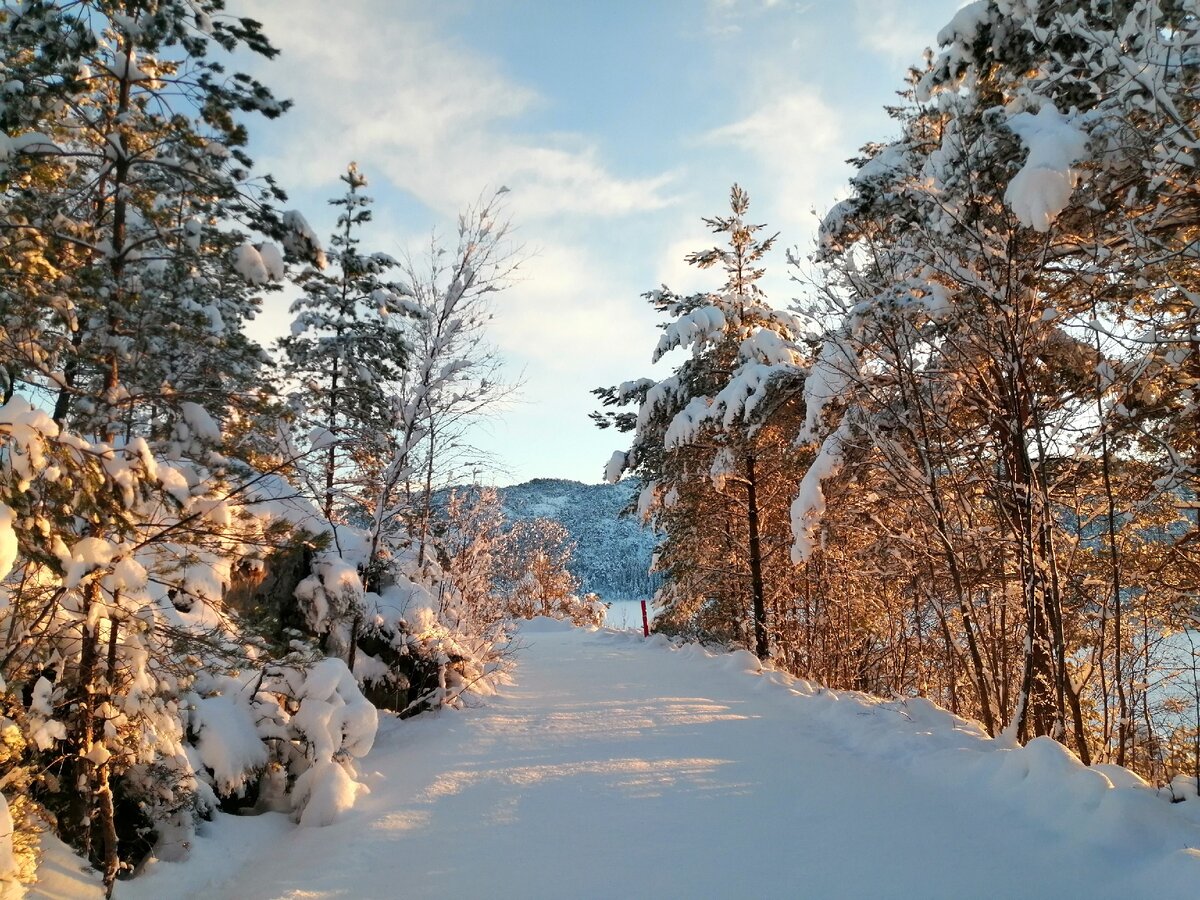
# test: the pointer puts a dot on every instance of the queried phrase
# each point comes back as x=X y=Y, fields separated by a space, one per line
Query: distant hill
x=613 y=555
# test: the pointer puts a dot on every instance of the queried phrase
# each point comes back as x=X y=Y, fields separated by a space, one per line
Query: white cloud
x=796 y=138
x=570 y=317
x=570 y=325
x=895 y=30
x=379 y=83
x=725 y=17
x=677 y=274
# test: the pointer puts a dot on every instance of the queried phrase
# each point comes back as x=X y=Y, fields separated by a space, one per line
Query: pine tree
x=699 y=445
x=127 y=280
x=135 y=168
x=347 y=351
x=983 y=270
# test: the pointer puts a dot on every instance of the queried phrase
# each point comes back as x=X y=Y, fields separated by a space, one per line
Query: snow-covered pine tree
x=714 y=473
x=346 y=354
x=128 y=171
x=126 y=283
x=988 y=265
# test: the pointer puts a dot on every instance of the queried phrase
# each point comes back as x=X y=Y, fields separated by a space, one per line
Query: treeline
x=217 y=561
x=965 y=465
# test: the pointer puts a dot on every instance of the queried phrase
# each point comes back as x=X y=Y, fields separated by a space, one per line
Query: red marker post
x=645 y=621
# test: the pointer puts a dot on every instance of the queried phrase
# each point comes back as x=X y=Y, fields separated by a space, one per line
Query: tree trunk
x=762 y=645
x=104 y=796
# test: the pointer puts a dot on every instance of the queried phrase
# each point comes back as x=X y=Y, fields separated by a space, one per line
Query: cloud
x=380 y=83
x=725 y=17
x=680 y=276
x=796 y=138
x=570 y=317
x=889 y=28
x=569 y=325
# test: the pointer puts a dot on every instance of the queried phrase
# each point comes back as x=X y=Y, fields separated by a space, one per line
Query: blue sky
x=616 y=126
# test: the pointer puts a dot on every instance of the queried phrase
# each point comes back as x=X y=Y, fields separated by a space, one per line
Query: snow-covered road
x=619 y=767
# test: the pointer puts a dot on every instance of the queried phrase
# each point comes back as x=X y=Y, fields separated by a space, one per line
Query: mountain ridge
x=613 y=552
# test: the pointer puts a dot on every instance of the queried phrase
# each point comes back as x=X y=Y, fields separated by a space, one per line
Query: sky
x=616 y=126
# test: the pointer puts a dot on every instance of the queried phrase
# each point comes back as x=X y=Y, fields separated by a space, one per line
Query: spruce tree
x=346 y=353
x=706 y=462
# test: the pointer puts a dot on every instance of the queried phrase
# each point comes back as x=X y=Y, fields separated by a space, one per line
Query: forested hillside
x=613 y=552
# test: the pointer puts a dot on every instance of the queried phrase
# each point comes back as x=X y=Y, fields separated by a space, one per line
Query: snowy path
x=617 y=767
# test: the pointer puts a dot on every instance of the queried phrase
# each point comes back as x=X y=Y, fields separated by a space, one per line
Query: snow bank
x=332 y=723
x=324 y=793
x=1106 y=805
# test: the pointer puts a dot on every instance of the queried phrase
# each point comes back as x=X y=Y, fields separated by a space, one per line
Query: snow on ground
x=620 y=767
x=626 y=615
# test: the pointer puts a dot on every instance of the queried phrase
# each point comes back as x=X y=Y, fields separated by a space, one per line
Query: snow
x=321 y=439
x=87 y=554
x=228 y=742
x=126 y=68
x=250 y=264
x=334 y=588
x=272 y=260
x=44 y=730
x=629 y=389
x=301 y=239
x=621 y=767
x=657 y=395
x=723 y=465
x=8 y=541
x=685 y=427
x=199 y=422
x=809 y=506
x=325 y=792
x=8 y=862
x=612 y=469
x=626 y=615
x=882 y=167
x=174 y=483
x=965 y=24
x=692 y=329
x=33 y=143
x=1043 y=186
x=334 y=716
x=828 y=379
